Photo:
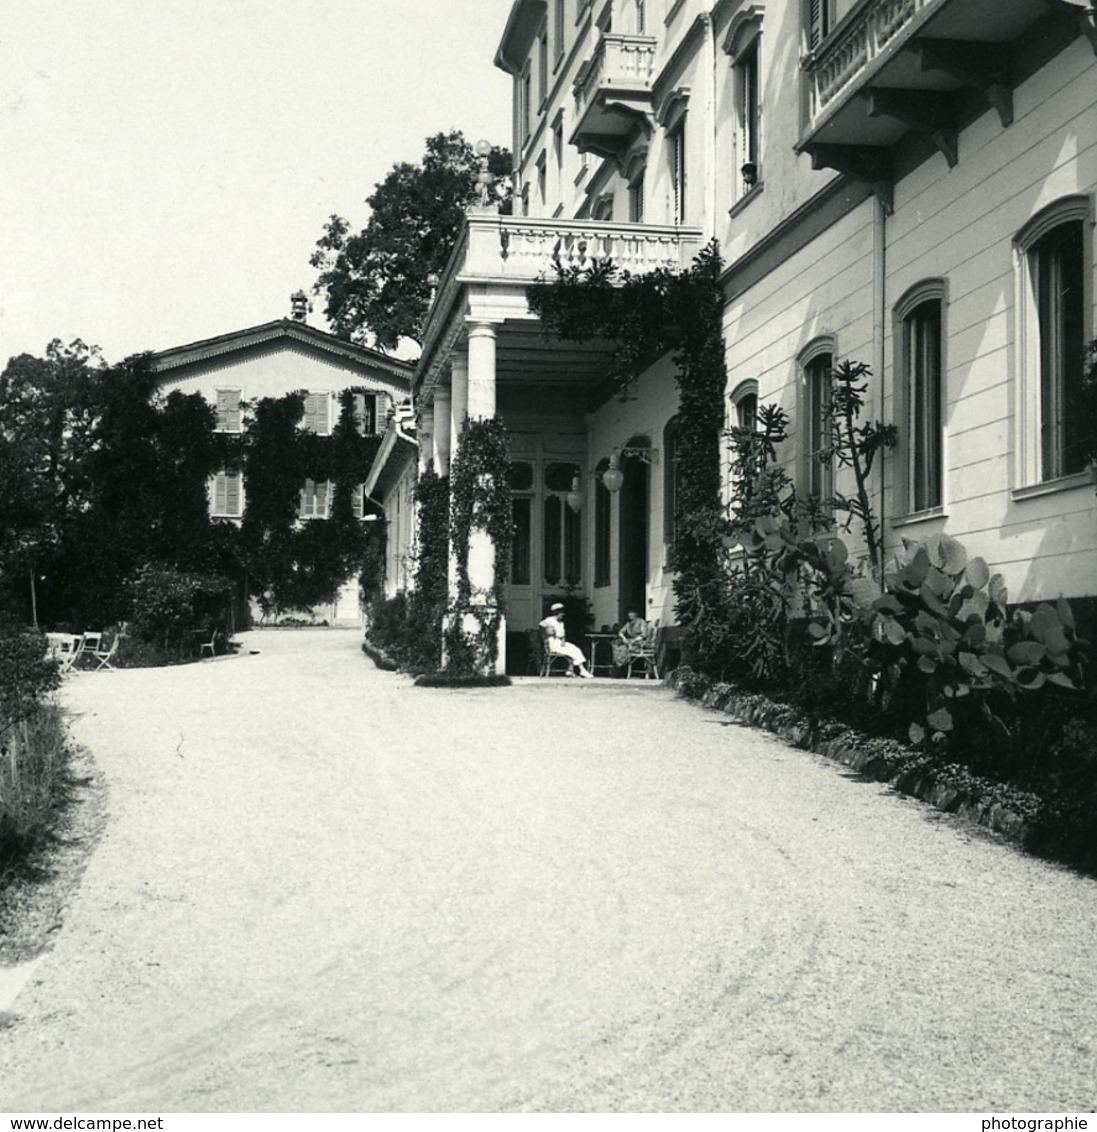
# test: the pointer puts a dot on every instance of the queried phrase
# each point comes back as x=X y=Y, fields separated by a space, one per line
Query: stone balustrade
x=863 y=37
x=513 y=248
x=620 y=62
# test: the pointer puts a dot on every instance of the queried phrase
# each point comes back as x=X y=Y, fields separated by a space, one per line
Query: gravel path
x=320 y=888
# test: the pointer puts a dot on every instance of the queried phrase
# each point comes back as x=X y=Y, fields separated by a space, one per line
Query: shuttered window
x=357 y=501
x=678 y=172
x=229 y=416
x=318 y=413
x=819 y=388
x=315 y=500
x=922 y=371
x=228 y=495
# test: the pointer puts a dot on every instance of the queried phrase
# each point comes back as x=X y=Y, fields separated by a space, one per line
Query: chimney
x=299 y=306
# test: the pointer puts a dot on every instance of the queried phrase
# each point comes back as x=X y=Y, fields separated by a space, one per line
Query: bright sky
x=166 y=166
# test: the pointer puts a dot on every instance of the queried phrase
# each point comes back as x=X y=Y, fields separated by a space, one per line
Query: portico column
x=481 y=372
x=477 y=377
x=441 y=429
x=459 y=397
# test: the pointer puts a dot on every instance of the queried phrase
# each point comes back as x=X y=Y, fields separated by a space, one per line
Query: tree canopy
x=378 y=282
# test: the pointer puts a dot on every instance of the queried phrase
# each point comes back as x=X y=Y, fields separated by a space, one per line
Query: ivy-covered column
x=478 y=598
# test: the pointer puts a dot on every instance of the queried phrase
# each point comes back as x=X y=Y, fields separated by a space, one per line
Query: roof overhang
x=395 y=375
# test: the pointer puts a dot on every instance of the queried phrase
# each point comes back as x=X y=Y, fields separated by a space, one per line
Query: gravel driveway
x=321 y=888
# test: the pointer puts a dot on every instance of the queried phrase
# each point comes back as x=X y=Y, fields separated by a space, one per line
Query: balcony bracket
x=980 y=66
x=1084 y=13
x=929 y=112
x=867 y=163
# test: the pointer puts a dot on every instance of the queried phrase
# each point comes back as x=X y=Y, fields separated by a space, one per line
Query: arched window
x=562 y=527
x=1054 y=265
x=919 y=344
x=744 y=44
x=815 y=362
x=602 y=527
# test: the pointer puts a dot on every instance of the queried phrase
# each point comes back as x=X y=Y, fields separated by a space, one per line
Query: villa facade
x=271 y=360
x=906 y=183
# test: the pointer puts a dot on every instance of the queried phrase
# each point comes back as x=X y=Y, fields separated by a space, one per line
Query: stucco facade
x=272 y=360
x=906 y=183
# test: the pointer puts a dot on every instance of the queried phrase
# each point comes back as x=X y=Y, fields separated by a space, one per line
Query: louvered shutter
x=308 y=496
x=228 y=410
x=380 y=412
x=317 y=416
x=232 y=495
x=816 y=30
x=365 y=413
x=357 y=499
x=220 y=492
x=324 y=501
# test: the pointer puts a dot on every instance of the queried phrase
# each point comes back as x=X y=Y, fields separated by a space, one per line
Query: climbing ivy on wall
x=646 y=316
x=479 y=500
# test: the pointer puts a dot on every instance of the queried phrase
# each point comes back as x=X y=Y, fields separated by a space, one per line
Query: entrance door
x=633 y=573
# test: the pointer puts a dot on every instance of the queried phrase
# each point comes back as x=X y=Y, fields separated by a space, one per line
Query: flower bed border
x=947 y=787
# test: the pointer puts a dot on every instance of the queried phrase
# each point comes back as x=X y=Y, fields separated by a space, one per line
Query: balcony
x=613 y=94
x=498 y=257
x=896 y=68
x=524 y=248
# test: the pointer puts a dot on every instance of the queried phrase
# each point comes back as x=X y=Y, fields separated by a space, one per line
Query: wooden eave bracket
x=930 y=112
x=1083 y=13
x=980 y=66
x=868 y=163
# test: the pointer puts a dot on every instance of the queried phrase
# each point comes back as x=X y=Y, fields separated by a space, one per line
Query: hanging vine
x=646 y=316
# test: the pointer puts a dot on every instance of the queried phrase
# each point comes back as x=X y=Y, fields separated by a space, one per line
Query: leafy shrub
x=168 y=604
x=942 y=640
x=27 y=674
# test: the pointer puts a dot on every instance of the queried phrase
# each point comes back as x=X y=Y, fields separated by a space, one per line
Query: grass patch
x=34 y=767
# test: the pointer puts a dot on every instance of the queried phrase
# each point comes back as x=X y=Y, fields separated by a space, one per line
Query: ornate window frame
x=933 y=290
x=823 y=345
x=1028 y=475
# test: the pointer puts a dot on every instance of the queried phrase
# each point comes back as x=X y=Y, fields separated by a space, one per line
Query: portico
x=485 y=355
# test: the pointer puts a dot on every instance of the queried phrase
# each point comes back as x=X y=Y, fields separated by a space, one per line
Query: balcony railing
x=619 y=63
x=864 y=36
x=521 y=249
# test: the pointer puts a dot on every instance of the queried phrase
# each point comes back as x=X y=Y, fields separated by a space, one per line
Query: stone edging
x=883 y=760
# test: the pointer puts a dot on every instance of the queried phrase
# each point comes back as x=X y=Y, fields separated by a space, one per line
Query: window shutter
x=816 y=31
x=317 y=415
x=232 y=495
x=308 y=496
x=324 y=508
x=380 y=412
x=357 y=501
x=228 y=410
x=220 y=490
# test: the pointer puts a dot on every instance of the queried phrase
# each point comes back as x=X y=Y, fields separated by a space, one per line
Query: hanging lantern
x=575 y=496
x=613 y=477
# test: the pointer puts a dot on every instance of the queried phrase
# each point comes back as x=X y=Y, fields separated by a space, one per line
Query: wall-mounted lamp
x=613 y=477
x=575 y=496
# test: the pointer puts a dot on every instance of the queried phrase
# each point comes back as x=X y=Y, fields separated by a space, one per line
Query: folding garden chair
x=106 y=655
